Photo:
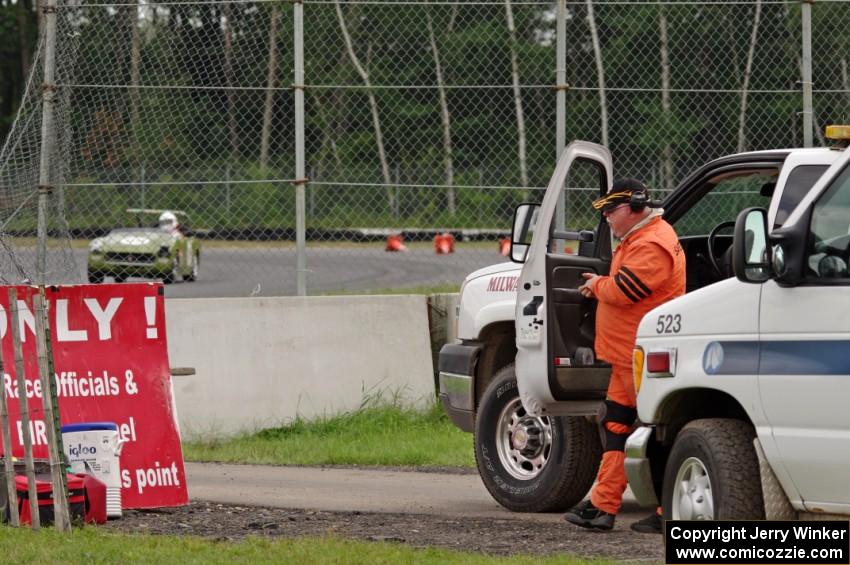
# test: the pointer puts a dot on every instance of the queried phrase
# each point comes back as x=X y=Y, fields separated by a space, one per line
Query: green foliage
x=185 y=126
x=381 y=432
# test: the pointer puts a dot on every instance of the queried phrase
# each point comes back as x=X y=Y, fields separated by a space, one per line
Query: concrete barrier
x=260 y=362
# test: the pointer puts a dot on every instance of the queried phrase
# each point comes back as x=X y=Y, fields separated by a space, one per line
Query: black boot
x=649 y=525
x=586 y=515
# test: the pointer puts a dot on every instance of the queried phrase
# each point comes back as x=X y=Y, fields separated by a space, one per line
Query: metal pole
x=300 y=213
x=45 y=180
x=807 y=74
x=142 y=179
x=561 y=102
x=23 y=406
x=8 y=465
x=50 y=405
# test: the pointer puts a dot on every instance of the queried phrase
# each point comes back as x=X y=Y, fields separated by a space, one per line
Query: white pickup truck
x=744 y=385
x=522 y=375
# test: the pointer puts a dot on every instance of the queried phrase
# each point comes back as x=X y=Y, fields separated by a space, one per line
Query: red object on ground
x=444 y=244
x=44 y=492
x=394 y=243
x=95 y=499
x=505 y=246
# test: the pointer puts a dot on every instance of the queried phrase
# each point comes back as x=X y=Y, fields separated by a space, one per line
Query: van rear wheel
x=528 y=463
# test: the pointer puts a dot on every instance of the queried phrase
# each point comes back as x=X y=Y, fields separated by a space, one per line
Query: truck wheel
x=532 y=464
x=713 y=473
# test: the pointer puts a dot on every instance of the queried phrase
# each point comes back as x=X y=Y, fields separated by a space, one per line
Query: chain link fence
x=420 y=117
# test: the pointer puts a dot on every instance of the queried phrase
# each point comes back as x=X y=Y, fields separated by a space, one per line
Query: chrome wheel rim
x=523 y=442
x=692 y=495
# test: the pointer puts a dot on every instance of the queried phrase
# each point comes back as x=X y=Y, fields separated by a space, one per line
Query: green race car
x=162 y=251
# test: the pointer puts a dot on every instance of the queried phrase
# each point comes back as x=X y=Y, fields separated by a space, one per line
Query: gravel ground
x=489 y=536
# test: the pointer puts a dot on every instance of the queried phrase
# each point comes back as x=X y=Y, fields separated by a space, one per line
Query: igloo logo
x=81 y=450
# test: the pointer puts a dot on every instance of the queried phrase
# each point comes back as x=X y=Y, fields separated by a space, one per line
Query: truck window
x=724 y=201
x=830 y=232
x=800 y=181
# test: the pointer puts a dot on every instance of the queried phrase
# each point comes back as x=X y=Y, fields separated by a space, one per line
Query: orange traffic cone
x=394 y=243
x=444 y=244
x=505 y=246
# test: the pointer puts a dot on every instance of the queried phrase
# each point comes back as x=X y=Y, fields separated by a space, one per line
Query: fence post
x=808 y=111
x=50 y=410
x=8 y=465
x=300 y=220
x=45 y=179
x=23 y=406
x=561 y=102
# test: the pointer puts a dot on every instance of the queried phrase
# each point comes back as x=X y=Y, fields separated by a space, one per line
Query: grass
x=91 y=546
x=380 y=433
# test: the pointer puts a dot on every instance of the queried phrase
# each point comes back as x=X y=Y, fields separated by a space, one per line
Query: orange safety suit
x=647 y=269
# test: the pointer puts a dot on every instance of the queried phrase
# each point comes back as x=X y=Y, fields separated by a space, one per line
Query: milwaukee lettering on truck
x=502 y=284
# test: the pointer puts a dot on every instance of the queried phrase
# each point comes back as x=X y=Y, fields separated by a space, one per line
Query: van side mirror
x=751 y=253
x=525 y=220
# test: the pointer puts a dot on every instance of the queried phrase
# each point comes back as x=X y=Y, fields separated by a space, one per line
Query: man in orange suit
x=647 y=269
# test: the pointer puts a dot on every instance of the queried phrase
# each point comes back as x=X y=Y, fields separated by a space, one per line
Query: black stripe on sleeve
x=624 y=289
x=636 y=280
x=635 y=290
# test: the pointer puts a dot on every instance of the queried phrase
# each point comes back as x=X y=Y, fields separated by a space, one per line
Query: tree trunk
x=742 y=119
x=446 y=119
x=799 y=58
x=666 y=150
x=328 y=127
x=600 y=71
x=520 y=118
x=23 y=38
x=271 y=75
x=845 y=81
x=452 y=18
x=135 y=60
x=373 y=104
x=233 y=132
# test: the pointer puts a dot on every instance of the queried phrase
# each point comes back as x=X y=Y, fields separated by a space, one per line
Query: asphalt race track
x=272 y=272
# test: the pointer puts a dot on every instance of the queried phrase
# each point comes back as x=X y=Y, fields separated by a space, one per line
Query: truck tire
x=532 y=464
x=713 y=473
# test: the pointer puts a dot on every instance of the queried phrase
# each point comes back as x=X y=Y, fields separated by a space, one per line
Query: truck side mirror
x=751 y=254
x=525 y=220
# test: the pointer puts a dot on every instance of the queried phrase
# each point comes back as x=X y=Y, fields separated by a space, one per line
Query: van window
x=829 y=251
x=723 y=203
x=800 y=181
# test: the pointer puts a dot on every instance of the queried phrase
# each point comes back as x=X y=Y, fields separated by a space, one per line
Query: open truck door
x=557 y=373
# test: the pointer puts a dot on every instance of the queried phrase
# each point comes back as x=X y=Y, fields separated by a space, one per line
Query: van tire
x=722 y=449
x=568 y=452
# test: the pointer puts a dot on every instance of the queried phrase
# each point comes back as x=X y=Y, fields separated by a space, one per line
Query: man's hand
x=586 y=289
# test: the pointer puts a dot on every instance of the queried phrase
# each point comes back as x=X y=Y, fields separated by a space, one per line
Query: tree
x=446 y=119
x=667 y=150
x=271 y=77
x=373 y=104
x=600 y=72
x=745 y=87
x=520 y=118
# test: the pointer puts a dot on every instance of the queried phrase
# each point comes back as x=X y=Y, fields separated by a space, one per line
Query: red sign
x=111 y=365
